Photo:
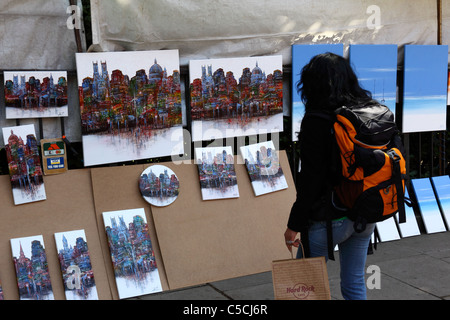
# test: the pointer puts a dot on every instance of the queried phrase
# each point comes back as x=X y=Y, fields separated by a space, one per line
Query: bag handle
x=303 y=250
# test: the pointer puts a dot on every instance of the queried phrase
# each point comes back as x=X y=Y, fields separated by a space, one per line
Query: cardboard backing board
x=69 y=206
x=204 y=241
x=117 y=188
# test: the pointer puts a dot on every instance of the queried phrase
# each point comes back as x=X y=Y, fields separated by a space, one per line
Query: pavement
x=413 y=268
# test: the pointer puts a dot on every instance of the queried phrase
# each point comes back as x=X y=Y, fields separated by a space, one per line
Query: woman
x=327 y=82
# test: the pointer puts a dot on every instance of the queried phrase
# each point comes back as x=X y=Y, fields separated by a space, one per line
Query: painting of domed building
x=236 y=97
x=130 y=105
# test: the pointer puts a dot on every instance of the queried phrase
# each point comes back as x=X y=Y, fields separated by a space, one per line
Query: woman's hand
x=289 y=237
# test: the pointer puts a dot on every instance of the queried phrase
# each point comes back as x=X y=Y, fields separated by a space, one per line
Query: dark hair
x=328 y=82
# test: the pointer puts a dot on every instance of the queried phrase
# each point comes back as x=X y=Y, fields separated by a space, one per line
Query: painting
x=130 y=105
x=429 y=209
x=376 y=69
x=216 y=173
x=159 y=185
x=30 y=262
x=425 y=88
x=301 y=55
x=1 y=292
x=76 y=268
x=263 y=167
x=35 y=94
x=441 y=185
x=236 y=97
x=24 y=164
x=132 y=254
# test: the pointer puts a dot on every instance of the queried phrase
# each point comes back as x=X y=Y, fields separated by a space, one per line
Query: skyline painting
x=235 y=97
x=301 y=55
x=263 y=167
x=24 y=164
x=30 y=263
x=376 y=69
x=35 y=94
x=442 y=187
x=76 y=268
x=159 y=185
x=133 y=258
x=425 y=88
x=429 y=209
x=130 y=105
x=216 y=173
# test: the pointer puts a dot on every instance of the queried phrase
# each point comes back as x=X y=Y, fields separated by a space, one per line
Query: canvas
x=216 y=173
x=130 y=105
x=425 y=88
x=24 y=164
x=263 y=167
x=159 y=185
x=442 y=186
x=236 y=97
x=301 y=55
x=76 y=268
x=132 y=255
x=35 y=94
x=30 y=262
x=429 y=209
x=1 y=292
x=376 y=69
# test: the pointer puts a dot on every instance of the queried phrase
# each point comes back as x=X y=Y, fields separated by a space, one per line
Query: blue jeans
x=352 y=253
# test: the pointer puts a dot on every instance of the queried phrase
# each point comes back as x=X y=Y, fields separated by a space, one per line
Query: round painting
x=159 y=185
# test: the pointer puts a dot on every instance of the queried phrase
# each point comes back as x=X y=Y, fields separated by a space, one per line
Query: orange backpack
x=373 y=165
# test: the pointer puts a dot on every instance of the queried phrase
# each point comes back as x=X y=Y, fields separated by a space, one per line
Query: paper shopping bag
x=301 y=279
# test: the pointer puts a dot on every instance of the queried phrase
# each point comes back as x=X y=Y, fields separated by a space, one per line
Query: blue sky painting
x=425 y=88
x=376 y=69
x=429 y=208
x=301 y=55
x=442 y=187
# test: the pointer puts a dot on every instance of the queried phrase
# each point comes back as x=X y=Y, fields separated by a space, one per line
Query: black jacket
x=320 y=170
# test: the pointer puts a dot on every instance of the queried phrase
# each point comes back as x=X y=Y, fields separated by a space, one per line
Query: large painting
x=376 y=69
x=30 y=262
x=301 y=55
x=216 y=172
x=236 y=97
x=132 y=253
x=263 y=167
x=130 y=104
x=425 y=88
x=35 y=94
x=24 y=164
x=76 y=268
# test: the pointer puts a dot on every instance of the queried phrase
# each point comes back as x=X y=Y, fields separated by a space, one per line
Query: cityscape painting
x=130 y=105
x=263 y=167
x=76 y=268
x=236 y=97
x=132 y=254
x=159 y=185
x=24 y=164
x=1 y=292
x=216 y=172
x=30 y=262
x=425 y=88
x=301 y=55
x=35 y=94
x=376 y=69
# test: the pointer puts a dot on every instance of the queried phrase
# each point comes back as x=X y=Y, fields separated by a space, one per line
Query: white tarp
x=233 y=28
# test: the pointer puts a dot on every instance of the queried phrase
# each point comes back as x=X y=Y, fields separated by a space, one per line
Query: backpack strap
x=397 y=176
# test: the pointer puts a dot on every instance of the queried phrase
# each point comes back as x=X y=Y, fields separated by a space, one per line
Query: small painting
x=24 y=164
x=76 y=268
x=36 y=94
x=263 y=166
x=159 y=185
x=132 y=253
x=236 y=97
x=216 y=172
x=30 y=262
x=130 y=105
